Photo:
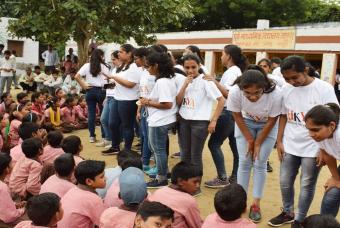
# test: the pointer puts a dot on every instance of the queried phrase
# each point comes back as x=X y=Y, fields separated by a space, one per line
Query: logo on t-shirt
x=296 y=117
x=188 y=103
x=256 y=118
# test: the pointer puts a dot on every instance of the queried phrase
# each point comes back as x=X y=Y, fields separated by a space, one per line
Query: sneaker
x=216 y=183
x=152 y=171
x=176 y=155
x=103 y=143
x=269 y=167
x=281 y=219
x=111 y=151
x=153 y=176
x=157 y=184
x=255 y=214
x=108 y=146
x=296 y=224
x=92 y=139
x=232 y=179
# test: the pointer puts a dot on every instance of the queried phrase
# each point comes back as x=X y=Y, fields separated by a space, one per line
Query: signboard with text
x=265 y=39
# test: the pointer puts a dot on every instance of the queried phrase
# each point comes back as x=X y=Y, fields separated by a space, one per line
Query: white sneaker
x=108 y=146
x=92 y=139
x=101 y=143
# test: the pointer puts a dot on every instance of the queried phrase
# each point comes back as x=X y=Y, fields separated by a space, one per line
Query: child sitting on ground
x=185 y=179
x=10 y=211
x=154 y=214
x=53 y=149
x=38 y=101
x=43 y=210
x=69 y=113
x=230 y=203
x=22 y=97
x=132 y=192
x=59 y=93
x=53 y=82
x=81 y=111
x=82 y=206
x=6 y=101
x=127 y=159
x=25 y=177
x=53 y=116
x=60 y=183
x=72 y=145
x=15 y=118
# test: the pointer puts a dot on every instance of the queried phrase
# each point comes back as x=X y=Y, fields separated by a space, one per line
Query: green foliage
x=322 y=12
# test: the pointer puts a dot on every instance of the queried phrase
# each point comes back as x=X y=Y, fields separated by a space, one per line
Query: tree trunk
x=83 y=50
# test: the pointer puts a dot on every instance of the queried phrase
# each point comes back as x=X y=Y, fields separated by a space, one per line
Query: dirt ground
x=271 y=203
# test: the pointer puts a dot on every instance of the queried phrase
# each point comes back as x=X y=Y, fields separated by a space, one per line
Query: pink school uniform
x=56 y=185
x=115 y=217
x=81 y=113
x=68 y=115
x=16 y=153
x=50 y=154
x=111 y=198
x=28 y=224
x=82 y=209
x=214 y=220
x=77 y=159
x=9 y=213
x=185 y=206
x=25 y=177
x=13 y=131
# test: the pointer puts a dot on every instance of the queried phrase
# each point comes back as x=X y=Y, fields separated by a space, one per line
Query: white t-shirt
x=133 y=74
x=332 y=145
x=277 y=71
x=179 y=81
x=111 y=92
x=146 y=84
x=229 y=77
x=163 y=91
x=204 y=68
x=198 y=99
x=297 y=101
x=99 y=80
x=7 y=64
x=279 y=80
x=269 y=104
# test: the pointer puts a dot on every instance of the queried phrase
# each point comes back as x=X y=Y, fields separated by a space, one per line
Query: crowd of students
x=44 y=179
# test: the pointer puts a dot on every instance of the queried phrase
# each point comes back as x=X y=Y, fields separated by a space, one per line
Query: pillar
x=328 y=68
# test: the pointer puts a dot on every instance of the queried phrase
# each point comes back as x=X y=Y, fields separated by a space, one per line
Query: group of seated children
x=68 y=197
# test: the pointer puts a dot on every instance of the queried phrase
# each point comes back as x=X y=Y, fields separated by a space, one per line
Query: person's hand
x=189 y=79
x=280 y=150
x=320 y=161
x=144 y=101
x=331 y=183
x=138 y=116
x=86 y=87
x=212 y=126
x=208 y=77
x=256 y=151
x=250 y=147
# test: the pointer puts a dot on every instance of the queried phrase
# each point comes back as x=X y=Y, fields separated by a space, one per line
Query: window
x=16 y=45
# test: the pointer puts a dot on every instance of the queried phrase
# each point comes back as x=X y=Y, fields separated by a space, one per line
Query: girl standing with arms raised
x=236 y=62
x=294 y=145
x=94 y=86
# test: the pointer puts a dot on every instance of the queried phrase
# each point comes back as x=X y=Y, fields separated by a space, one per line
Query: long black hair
x=324 y=114
x=129 y=49
x=165 y=65
x=255 y=77
x=96 y=61
x=195 y=50
x=236 y=55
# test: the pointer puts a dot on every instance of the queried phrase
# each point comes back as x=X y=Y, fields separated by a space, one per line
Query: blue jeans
x=246 y=163
x=105 y=117
x=158 y=139
x=331 y=201
x=225 y=127
x=146 y=152
x=123 y=119
x=94 y=96
x=309 y=174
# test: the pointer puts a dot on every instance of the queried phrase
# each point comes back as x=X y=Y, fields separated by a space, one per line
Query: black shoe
x=111 y=151
x=269 y=167
x=296 y=224
x=153 y=176
x=156 y=184
x=281 y=219
x=232 y=179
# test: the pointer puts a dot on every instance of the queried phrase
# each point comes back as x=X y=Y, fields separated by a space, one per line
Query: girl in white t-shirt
x=265 y=64
x=126 y=94
x=322 y=121
x=162 y=109
x=255 y=101
x=294 y=145
x=192 y=49
x=196 y=98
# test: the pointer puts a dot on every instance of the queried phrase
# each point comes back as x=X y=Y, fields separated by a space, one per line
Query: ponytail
x=236 y=55
x=324 y=114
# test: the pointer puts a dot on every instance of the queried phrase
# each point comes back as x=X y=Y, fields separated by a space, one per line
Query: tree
x=56 y=21
x=322 y=12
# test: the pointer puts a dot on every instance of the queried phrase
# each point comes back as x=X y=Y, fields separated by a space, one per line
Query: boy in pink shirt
x=44 y=210
x=185 y=179
x=132 y=192
x=8 y=208
x=154 y=214
x=53 y=149
x=60 y=183
x=72 y=145
x=230 y=203
x=82 y=206
x=25 y=177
